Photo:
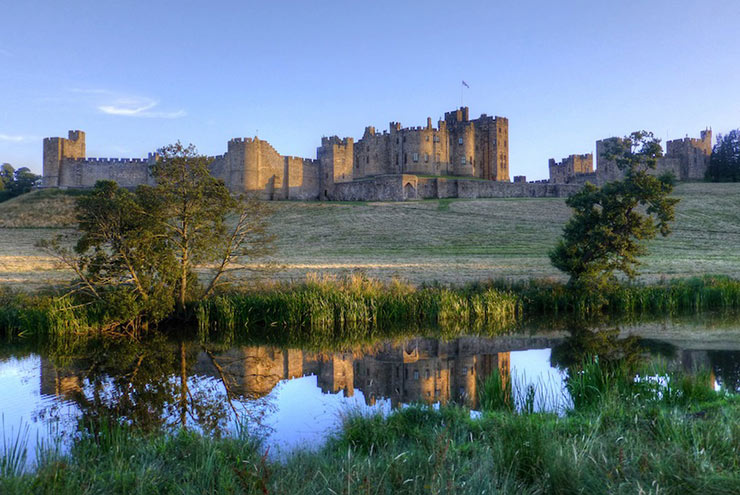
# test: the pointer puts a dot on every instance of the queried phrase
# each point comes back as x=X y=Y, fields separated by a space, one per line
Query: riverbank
x=329 y=310
x=674 y=435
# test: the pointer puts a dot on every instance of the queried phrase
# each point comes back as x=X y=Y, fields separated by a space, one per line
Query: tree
x=724 y=164
x=16 y=182
x=138 y=251
x=7 y=173
x=609 y=225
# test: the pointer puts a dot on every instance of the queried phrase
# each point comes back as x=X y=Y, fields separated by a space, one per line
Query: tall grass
x=353 y=308
x=543 y=297
x=13 y=451
x=332 y=309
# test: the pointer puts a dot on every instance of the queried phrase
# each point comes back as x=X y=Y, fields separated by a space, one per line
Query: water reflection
x=300 y=394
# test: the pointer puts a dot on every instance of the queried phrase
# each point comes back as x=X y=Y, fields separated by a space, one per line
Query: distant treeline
x=15 y=182
x=724 y=166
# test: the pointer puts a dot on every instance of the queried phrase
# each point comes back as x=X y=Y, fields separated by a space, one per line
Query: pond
x=295 y=398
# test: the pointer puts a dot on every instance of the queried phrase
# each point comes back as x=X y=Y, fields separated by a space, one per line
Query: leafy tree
x=15 y=182
x=7 y=172
x=606 y=232
x=138 y=251
x=724 y=165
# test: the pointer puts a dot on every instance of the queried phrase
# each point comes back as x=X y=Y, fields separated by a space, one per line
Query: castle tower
x=462 y=141
x=56 y=149
x=336 y=158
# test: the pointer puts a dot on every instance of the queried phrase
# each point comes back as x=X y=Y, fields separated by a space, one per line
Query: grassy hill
x=422 y=241
x=42 y=208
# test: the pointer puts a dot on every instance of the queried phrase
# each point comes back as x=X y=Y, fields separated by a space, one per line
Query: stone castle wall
x=398 y=164
x=406 y=187
x=686 y=159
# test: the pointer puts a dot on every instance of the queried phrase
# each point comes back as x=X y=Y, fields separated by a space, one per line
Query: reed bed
x=352 y=308
x=358 y=308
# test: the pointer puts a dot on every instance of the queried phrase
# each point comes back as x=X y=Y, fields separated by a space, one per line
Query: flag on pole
x=466 y=84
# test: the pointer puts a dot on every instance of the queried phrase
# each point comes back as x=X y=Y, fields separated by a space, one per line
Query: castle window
x=439 y=373
x=416 y=374
x=436 y=139
x=426 y=157
x=426 y=374
x=367 y=159
x=459 y=140
x=429 y=393
x=471 y=160
x=416 y=157
x=405 y=157
x=462 y=160
x=427 y=139
x=398 y=140
x=465 y=370
x=398 y=372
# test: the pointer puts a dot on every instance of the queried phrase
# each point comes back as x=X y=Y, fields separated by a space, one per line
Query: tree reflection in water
x=152 y=384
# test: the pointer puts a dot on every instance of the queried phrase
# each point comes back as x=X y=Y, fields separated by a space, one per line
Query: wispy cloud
x=115 y=103
x=14 y=139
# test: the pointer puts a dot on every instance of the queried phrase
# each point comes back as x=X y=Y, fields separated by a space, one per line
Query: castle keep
x=459 y=158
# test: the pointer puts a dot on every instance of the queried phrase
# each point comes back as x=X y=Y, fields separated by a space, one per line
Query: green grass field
x=443 y=240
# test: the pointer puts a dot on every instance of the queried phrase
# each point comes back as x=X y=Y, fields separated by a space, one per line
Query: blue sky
x=138 y=75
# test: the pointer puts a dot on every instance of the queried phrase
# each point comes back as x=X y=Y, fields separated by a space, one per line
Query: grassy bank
x=622 y=436
x=451 y=241
x=323 y=311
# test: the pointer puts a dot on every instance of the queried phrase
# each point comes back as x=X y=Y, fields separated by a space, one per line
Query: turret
x=56 y=149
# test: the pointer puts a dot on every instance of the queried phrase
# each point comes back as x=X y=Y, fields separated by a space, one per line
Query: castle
x=460 y=158
x=686 y=159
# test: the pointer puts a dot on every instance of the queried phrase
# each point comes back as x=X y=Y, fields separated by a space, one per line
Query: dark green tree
x=16 y=182
x=609 y=225
x=137 y=252
x=724 y=165
x=7 y=174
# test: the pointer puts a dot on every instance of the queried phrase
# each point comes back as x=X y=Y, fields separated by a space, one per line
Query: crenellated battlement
x=254 y=165
x=336 y=140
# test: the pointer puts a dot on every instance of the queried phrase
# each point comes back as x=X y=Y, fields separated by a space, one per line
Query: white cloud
x=118 y=104
x=141 y=107
x=13 y=139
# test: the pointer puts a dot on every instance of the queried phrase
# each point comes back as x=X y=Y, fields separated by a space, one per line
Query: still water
x=295 y=398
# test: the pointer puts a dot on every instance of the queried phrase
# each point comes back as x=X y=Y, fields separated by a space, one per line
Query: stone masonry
x=459 y=157
x=457 y=148
x=686 y=159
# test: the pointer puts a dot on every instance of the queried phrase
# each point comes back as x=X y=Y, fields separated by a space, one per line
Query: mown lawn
x=443 y=240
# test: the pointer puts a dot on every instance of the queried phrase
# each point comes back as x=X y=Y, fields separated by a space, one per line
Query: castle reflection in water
x=415 y=370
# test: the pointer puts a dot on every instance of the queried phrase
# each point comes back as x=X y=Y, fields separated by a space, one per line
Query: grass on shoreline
x=328 y=310
x=629 y=437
